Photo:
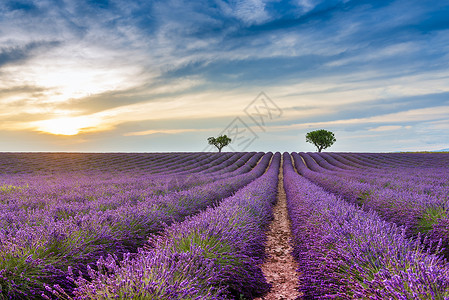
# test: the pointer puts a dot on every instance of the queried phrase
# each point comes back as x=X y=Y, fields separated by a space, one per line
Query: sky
x=163 y=76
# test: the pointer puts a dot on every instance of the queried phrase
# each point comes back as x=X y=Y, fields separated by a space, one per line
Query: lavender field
x=193 y=225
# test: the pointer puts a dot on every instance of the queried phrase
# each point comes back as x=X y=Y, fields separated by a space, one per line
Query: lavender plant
x=347 y=253
x=221 y=251
x=40 y=241
x=420 y=207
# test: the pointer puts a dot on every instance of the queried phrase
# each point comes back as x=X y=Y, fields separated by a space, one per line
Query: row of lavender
x=213 y=255
x=345 y=252
x=76 y=187
x=420 y=201
x=427 y=160
x=48 y=163
x=67 y=197
x=38 y=244
x=428 y=183
x=59 y=179
x=420 y=178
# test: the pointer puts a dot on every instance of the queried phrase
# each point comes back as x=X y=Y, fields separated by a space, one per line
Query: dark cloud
x=103 y=4
x=19 y=54
x=269 y=70
x=26 y=6
x=24 y=89
x=112 y=99
x=433 y=20
x=377 y=107
x=99 y=102
x=381 y=107
x=359 y=34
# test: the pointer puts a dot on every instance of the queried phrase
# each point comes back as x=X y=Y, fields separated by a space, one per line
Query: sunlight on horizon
x=66 y=125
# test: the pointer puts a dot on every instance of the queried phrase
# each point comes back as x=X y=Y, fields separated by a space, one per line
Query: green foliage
x=11 y=188
x=363 y=196
x=322 y=139
x=430 y=217
x=219 y=142
x=213 y=247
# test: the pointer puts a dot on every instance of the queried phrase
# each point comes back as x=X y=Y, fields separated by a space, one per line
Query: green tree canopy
x=219 y=142
x=322 y=139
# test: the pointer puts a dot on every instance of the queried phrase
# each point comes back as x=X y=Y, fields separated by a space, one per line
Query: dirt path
x=280 y=267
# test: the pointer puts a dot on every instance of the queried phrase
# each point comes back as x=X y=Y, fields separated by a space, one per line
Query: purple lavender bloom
x=68 y=210
x=408 y=195
x=348 y=253
x=221 y=250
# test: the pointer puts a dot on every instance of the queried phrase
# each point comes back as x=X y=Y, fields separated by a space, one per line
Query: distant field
x=192 y=225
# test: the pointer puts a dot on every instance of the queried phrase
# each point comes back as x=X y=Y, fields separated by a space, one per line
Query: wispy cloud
x=378 y=66
x=389 y=128
x=164 y=131
x=20 y=53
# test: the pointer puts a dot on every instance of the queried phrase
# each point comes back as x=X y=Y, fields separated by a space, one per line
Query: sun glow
x=66 y=125
x=78 y=83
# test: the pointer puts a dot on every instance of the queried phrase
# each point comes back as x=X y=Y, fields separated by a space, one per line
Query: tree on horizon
x=322 y=139
x=219 y=142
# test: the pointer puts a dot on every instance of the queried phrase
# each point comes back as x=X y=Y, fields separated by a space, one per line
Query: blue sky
x=144 y=76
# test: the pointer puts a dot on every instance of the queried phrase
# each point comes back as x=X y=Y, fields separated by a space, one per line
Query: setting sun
x=65 y=126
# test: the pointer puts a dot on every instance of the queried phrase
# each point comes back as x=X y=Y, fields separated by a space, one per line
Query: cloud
x=27 y=6
x=249 y=12
x=23 y=89
x=438 y=125
x=166 y=131
x=409 y=117
x=355 y=65
x=388 y=128
x=19 y=54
